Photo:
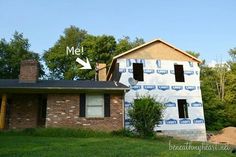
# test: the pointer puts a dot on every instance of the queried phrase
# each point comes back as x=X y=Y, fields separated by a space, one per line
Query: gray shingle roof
x=11 y=84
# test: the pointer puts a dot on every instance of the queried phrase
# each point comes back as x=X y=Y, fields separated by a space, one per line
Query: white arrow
x=86 y=65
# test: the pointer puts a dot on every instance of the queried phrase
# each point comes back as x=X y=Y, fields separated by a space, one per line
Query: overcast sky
x=204 y=26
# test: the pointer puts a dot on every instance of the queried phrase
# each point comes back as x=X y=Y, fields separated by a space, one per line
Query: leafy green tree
x=11 y=55
x=61 y=65
x=214 y=107
x=232 y=53
x=230 y=88
x=98 y=49
x=137 y=41
x=126 y=44
x=220 y=79
x=230 y=97
x=146 y=112
x=195 y=54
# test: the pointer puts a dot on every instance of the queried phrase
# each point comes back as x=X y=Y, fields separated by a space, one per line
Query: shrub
x=146 y=112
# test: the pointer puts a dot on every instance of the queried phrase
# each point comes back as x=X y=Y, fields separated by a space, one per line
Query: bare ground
x=226 y=135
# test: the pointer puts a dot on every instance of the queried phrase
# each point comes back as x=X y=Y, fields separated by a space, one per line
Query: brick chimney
x=29 y=71
x=101 y=70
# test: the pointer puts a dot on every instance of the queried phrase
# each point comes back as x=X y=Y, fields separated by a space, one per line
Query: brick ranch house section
x=28 y=102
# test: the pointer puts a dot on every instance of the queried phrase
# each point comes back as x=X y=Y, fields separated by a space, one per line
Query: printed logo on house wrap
x=136 y=87
x=190 y=64
x=170 y=104
x=158 y=63
x=127 y=121
x=190 y=88
x=163 y=87
x=198 y=121
x=130 y=70
x=149 y=87
x=162 y=72
x=129 y=62
x=128 y=104
x=177 y=88
x=185 y=121
x=171 y=121
x=196 y=104
x=188 y=72
x=122 y=70
x=148 y=71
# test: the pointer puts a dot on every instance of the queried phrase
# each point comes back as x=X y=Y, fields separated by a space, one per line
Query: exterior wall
x=159 y=82
x=63 y=111
x=23 y=111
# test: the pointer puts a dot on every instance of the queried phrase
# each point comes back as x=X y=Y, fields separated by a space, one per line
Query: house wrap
x=172 y=77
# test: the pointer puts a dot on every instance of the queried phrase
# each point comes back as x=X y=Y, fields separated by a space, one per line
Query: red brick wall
x=23 y=111
x=63 y=111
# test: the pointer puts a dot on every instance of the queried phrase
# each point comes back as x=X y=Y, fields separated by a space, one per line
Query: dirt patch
x=226 y=135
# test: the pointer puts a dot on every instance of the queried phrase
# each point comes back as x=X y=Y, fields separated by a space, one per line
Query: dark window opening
x=8 y=113
x=183 y=108
x=138 y=71
x=179 y=73
x=107 y=105
x=42 y=111
x=44 y=108
x=82 y=105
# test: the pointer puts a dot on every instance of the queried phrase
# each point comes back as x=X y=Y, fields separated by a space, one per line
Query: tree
x=61 y=65
x=214 y=107
x=98 y=49
x=230 y=96
x=146 y=112
x=126 y=44
x=195 y=54
x=11 y=55
x=230 y=88
x=220 y=79
x=232 y=53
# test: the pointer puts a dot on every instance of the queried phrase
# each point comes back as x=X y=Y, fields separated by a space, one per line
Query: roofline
x=30 y=90
x=66 y=88
x=147 y=43
x=155 y=40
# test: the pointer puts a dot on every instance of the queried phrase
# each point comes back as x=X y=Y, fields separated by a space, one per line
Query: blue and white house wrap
x=160 y=83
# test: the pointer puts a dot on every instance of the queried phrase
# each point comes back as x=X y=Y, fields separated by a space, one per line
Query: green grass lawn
x=13 y=145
